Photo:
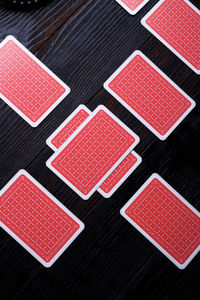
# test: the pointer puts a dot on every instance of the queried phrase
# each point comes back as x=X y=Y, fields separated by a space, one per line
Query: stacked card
x=26 y=84
x=93 y=151
x=36 y=219
x=166 y=219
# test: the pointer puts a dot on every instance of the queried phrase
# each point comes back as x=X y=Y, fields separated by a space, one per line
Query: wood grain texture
x=84 y=42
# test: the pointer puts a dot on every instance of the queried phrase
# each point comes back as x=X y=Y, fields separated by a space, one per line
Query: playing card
x=27 y=85
x=120 y=174
x=68 y=127
x=176 y=23
x=149 y=94
x=36 y=220
x=166 y=219
x=132 y=6
x=95 y=149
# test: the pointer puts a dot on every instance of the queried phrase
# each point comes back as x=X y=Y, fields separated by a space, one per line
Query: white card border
x=121 y=181
x=106 y=86
x=130 y=11
x=143 y=22
x=18 y=111
x=13 y=235
x=71 y=116
x=48 y=163
x=122 y=212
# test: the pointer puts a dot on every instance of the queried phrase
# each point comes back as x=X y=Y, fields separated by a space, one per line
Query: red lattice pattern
x=179 y=25
x=25 y=83
x=167 y=220
x=149 y=94
x=37 y=220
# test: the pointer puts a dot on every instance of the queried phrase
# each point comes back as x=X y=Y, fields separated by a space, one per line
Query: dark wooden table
x=84 y=42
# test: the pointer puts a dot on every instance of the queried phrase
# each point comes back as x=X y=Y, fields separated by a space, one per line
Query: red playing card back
x=165 y=218
x=149 y=94
x=36 y=220
x=26 y=84
x=176 y=23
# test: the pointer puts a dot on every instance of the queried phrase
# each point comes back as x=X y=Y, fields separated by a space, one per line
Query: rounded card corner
x=48 y=164
x=193 y=103
x=137 y=138
x=155 y=175
x=143 y=21
x=139 y=158
x=22 y=171
x=82 y=226
x=122 y=211
x=101 y=106
x=105 y=195
x=181 y=267
x=138 y=52
x=47 y=265
x=34 y=125
x=85 y=198
x=163 y=137
x=105 y=85
x=10 y=37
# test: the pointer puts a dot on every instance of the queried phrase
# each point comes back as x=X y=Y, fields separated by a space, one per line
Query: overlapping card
x=132 y=6
x=166 y=219
x=176 y=23
x=36 y=219
x=26 y=84
x=149 y=95
x=86 y=157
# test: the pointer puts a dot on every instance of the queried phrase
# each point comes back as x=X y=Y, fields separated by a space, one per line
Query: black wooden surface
x=84 y=42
